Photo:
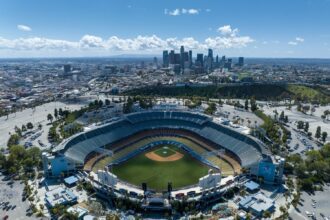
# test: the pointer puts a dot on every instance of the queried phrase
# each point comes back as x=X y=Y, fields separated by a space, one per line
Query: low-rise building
x=257 y=204
x=60 y=196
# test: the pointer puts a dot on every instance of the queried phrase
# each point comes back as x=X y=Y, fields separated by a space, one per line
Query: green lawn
x=183 y=172
x=165 y=151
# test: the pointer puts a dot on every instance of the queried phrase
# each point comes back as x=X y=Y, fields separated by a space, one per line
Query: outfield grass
x=183 y=172
x=164 y=151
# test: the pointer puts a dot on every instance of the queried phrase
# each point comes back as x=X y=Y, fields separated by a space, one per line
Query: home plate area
x=164 y=154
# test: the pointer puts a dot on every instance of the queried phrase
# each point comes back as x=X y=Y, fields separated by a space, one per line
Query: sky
x=249 y=28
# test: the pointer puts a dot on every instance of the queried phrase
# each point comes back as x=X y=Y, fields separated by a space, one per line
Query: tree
x=60 y=112
x=300 y=125
x=23 y=128
x=107 y=102
x=286 y=119
x=306 y=127
x=318 y=132
x=283 y=210
x=211 y=108
x=253 y=104
x=2 y=160
x=282 y=116
x=50 y=118
x=13 y=140
x=306 y=108
x=266 y=214
x=29 y=125
x=100 y=104
x=326 y=114
x=112 y=217
x=40 y=126
x=55 y=113
x=306 y=184
x=128 y=106
x=246 y=105
x=324 y=136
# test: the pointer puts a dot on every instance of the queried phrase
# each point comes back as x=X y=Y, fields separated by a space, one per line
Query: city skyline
x=111 y=28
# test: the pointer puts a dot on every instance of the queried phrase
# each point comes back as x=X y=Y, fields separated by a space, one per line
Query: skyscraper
x=241 y=61
x=210 y=59
x=228 y=64
x=210 y=54
x=182 y=57
x=200 y=60
x=177 y=58
x=67 y=68
x=190 y=58
x=155 y=62
x=172 y=57
x=166 y=59
x=217 y=61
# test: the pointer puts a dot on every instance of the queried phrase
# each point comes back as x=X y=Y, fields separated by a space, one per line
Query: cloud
x=175 y=12
x=228 y=31
x=228 y=38
x=22 y=27
x=182 y=11
x=90 y=41
x=193 y=11
x=300 y=39
x=208 y=10
x=293 y=43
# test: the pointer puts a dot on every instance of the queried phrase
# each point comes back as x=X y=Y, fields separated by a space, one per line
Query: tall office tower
x=209 y=59
x=172 y=57
x=155 y=62
x=228 y=64
x=210 y=54
x=200 y=60
x=182 y=57
x=241 y=61
x=182 y=49
x=223 y=61
x=190 y=58
x=185 y=57
x=166 y=59
x=67 y=68
x=217 y=61
x=177 y=58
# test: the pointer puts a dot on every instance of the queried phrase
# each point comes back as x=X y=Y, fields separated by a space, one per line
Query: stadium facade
x=251 y=154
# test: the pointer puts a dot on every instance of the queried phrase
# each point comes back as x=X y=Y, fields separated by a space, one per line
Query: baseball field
x=159 y=166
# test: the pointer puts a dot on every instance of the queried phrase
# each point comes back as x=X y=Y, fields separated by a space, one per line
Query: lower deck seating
x=123 y=147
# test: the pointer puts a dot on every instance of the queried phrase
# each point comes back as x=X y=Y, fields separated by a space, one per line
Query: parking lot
x=36 y=116
x=11 y=203
x=314 y=120
x=317 y=203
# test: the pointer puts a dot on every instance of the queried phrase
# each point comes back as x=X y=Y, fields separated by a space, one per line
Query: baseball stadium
x=157 y=147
